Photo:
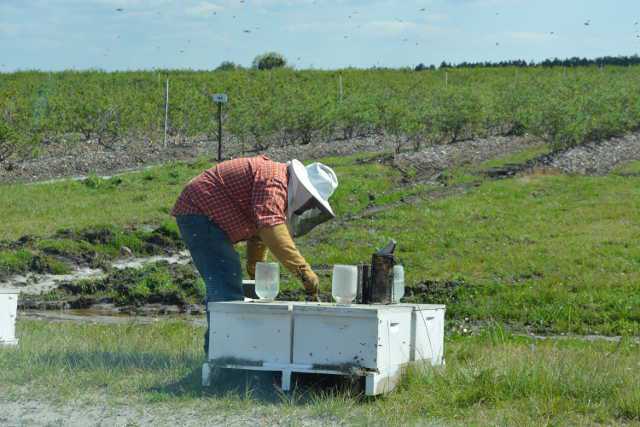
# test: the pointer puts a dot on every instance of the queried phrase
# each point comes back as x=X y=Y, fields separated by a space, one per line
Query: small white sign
x=220 y=98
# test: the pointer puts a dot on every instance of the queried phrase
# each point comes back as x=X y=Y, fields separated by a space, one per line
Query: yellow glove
x=281 y=245
x=256 y=252
x=311 y=284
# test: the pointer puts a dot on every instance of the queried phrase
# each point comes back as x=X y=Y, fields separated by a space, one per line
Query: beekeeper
x=256 y=200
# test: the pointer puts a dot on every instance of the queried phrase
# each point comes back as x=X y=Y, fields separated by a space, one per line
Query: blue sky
x=199 y=34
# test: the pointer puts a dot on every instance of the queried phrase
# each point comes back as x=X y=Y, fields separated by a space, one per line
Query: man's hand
x=311 y=284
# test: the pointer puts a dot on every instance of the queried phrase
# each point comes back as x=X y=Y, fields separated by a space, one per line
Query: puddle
x=34 y=283
x=180 y=258
x=105 y=317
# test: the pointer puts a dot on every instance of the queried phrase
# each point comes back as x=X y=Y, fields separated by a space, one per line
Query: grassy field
x=492 y=378
x=541 y=253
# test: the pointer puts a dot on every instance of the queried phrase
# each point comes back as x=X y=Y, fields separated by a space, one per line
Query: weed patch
x=489 y=377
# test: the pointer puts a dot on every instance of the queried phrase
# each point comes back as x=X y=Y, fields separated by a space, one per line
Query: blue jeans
x=216 y=260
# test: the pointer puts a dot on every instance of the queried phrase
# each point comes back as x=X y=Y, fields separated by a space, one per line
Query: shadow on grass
x=260 y=386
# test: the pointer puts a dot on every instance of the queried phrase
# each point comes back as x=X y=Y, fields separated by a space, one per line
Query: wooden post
x=219 y=131
x=340 y=86
x=446 y=79
x=166 y=113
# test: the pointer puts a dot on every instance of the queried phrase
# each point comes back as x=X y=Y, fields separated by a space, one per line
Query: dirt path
x=38 y=413
x=97 y=317
x=79 y=160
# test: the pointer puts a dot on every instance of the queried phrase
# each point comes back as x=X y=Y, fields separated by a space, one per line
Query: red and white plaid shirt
x=239 y=196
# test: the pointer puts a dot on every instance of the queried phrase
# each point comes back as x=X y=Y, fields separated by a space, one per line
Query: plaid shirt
x=239 y=196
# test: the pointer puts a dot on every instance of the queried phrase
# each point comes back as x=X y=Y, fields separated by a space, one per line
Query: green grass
x=629 y=168
x=132 y=199
x=14 y=261
x=23 y=260
x=538 y=252
x=490 y=379
x=544 y=253
x=519 y=157
x=550 y=253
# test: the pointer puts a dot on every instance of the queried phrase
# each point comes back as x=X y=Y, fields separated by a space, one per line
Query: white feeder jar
x=398 y=283
x=344 y=283
x=267 y=280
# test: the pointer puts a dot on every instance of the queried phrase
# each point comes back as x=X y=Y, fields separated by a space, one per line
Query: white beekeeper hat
x=316 y=180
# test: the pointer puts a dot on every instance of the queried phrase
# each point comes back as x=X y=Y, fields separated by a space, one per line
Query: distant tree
x=268 y=61
x=227 y=66
x=421 y=67
x=555 y=62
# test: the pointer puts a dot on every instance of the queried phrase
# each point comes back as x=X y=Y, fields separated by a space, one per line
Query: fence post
x=446 y=79
x=220 y=132
x=340 y=90
x=166 y=112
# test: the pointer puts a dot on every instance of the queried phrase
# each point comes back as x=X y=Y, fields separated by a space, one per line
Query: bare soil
x=36 y=412
x=429 y=162
x=59 y=160
x=81 y=159
x=597 y=158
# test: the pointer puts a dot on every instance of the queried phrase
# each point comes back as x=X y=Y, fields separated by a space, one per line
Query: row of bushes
x=564 y=107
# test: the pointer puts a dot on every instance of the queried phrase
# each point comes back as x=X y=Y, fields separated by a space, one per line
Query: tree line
x=623 y=61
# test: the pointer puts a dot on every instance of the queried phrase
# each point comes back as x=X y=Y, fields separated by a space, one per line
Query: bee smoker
x=375 y=280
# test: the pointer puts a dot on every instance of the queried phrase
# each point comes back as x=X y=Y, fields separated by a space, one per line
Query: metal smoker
x=375 y=280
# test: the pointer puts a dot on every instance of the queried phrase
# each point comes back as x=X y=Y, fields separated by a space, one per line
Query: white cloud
x=8 y=29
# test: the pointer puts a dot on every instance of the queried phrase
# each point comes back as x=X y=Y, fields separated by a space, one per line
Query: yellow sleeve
x=280 y=243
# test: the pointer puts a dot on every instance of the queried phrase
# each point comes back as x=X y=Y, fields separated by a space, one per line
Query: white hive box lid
x=9 y=291
x=354 y=310
x=423 y=306
x=261 y=307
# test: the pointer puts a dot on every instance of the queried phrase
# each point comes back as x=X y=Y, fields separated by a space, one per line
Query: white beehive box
x=8 y=309
x=427 y=333
x=372 y=341
x=250 y=333
x=373 y=338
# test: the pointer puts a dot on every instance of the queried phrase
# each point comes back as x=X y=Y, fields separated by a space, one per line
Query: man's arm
x=281 y=245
